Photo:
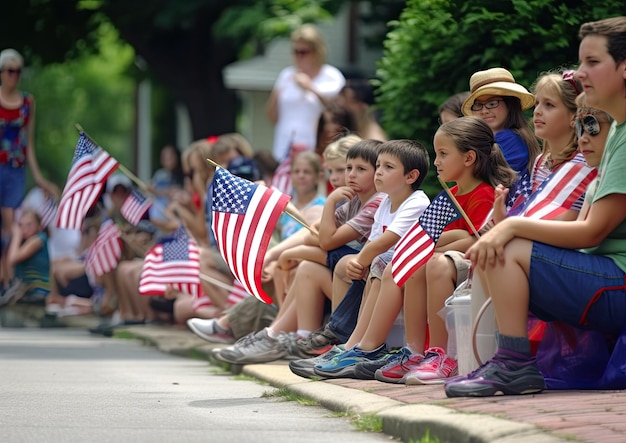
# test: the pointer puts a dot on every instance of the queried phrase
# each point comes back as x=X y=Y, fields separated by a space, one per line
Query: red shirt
x=477 y=204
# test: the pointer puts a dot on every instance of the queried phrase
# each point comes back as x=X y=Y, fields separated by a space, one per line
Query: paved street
x=63 y=385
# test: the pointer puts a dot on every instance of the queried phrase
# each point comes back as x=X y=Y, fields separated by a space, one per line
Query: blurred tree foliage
x=185 y=44
x=92 y=90
x=436 y=45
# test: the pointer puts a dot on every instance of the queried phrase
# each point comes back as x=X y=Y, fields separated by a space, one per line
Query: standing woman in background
x=301 y=92
x=17 y=149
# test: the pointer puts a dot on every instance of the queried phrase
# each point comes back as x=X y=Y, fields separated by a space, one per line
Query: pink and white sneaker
x=436 y=368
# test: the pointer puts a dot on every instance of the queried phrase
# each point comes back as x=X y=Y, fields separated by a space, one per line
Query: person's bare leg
x=440 y=283
x=280 y=285
x=341 y=283
x=184 y=310
x=126 y=286
x=217 y=294
x=507 y=284
x=6 y=271
x=288 y=321
x=311 y=286
x=386 y=309
x=415 y=313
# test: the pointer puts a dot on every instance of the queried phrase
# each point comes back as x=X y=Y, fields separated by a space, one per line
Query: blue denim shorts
x=334 y=255
x=584 y=290
x=12 y=186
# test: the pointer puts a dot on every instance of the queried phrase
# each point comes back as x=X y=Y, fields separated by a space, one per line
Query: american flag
x=135 y=206
x=417 y=246
x=47 y=211
x=105 y=253
x=237 y=293
x=90 y=169
x=558 y=193
x=244 y=217
x=174 y=261
x=281 y=180
x=518 y=193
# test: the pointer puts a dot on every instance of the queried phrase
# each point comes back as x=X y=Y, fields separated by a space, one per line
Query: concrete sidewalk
x=408 y=412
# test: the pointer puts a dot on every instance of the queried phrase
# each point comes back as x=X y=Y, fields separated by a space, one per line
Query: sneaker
x=208 y=330
x=257 y=348
x=12 y=292
x=318 y=343
x=342 y=365
x=498 y=375
x=436 y=367
x=304 y=367
x=366 y=370
x=397 y=371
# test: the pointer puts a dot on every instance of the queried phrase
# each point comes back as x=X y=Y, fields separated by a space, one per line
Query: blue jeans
x=343 y=319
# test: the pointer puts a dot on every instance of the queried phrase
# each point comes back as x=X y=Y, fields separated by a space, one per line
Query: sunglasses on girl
x=589 y=124
x=11 y=71
x=301 y=52
x=491 y=104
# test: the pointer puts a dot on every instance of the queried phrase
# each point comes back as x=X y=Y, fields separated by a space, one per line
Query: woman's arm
x=603 y=217
x=31 y=158
x=271 y=107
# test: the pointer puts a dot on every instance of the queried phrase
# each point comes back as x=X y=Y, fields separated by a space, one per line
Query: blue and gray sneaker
x=366 y=370
x=304 y=367
x=342 y=366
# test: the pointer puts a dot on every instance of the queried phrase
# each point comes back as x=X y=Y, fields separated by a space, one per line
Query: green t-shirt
x=612 y=180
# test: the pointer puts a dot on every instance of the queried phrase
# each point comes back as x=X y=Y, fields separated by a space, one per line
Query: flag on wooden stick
x=90 y=169
x=244 y=217
x=418 y=244
x=105 y=253
x=135 y=206
x=173 y=261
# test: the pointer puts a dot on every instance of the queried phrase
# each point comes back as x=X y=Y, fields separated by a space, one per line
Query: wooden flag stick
x=121 y=167
x=458 y=206
x=290 y=210
x=216 y=282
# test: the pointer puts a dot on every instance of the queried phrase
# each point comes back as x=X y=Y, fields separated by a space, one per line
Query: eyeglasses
x=12 y=71
x=301 y=52
x=491 y=104
x=569 y=77
x=589 y=124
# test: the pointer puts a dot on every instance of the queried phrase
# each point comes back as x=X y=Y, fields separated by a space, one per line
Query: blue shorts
x=334 y=255
x=583 y=290
x=12 y=186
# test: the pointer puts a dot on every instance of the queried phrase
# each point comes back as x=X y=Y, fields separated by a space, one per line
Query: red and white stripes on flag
x=174 y=261
x=237 y=293
x=417 y=246
x=47 y=212
x=105 y=253
x=281 y=180
x=244 y=217
x=135 y=206
x=559 y=191
x=90 y=169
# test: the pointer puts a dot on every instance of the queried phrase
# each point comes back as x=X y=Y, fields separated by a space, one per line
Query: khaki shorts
x=461 y=264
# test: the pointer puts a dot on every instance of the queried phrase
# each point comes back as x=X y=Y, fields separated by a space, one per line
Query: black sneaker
x=498 y=375
x=367 y=370
x=318 y=343
x=304 y=367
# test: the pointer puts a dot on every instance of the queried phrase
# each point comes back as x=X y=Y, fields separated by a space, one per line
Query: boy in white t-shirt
x=401 y=168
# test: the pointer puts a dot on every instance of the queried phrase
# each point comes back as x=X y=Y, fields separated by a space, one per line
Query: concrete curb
x=408 y=422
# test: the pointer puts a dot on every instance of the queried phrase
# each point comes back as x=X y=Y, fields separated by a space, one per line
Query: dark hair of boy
x=365 y=149
x=412 y=154
x=362 y=89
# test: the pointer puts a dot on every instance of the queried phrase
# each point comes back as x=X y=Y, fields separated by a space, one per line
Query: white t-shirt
x=299 y=110
x=399 y=222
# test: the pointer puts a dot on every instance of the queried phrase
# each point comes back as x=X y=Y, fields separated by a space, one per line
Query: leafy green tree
x=436 y=45
x=94 y=91
x=185 y=44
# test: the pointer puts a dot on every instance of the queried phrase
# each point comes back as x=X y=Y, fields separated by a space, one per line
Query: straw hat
x=496 y=81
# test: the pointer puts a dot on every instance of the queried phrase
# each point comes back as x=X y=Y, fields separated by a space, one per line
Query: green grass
x=126 y=335
x=286 y=394
x=426 y=438
x=364 y=423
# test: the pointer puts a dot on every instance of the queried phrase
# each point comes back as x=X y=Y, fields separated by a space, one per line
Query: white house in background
x=253 y=79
